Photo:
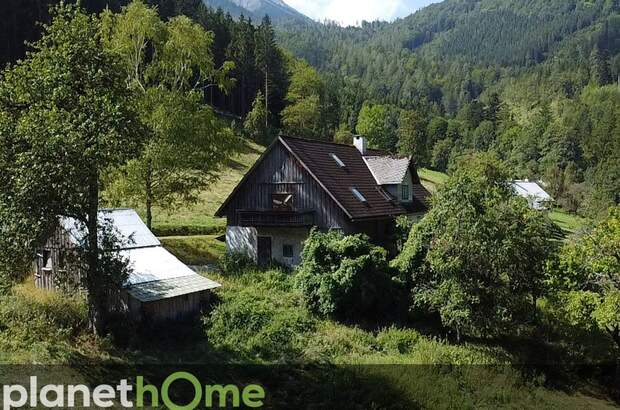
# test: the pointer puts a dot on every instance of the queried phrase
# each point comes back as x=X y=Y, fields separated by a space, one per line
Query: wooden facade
x=56 y=266
x=57 y=270
x=280 y=172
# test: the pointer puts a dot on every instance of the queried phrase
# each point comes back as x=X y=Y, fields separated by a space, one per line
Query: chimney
x=360 y=143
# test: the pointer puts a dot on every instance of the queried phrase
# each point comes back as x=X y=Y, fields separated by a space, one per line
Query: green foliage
x=234 y=263
x=477 y=257
x=394 y=340
x=375 y=123
x=588 y=271
x=65 y=117
x=412 y=138
x=188 y=146
x=53 y=322
x=255 y=125
x=304 y=116
x=344 y=276
x=260 y=322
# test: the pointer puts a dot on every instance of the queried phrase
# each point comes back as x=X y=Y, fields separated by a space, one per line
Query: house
x=160 y=287
x=298 y=184
x=534 y=193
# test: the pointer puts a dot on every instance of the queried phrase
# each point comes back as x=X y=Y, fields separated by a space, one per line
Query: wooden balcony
x=276 y=218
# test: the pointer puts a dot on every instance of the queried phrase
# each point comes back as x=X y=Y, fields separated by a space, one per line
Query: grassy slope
x=54 y=336
x=195 y=250
x=198 y=219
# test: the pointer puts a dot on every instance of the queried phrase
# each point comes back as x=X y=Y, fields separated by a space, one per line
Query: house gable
x=279 y=171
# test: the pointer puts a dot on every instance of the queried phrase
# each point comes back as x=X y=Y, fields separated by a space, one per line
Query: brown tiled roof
x=339 y=182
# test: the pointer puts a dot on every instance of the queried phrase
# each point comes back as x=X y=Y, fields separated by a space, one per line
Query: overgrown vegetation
x=345 y=276
x=478 y=257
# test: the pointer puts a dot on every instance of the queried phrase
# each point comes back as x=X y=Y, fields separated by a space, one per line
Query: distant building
x=298 y=184
x=534 y=193
x=160 y=287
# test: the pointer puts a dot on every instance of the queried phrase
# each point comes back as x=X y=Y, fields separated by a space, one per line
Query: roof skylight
x=358 y=195
x=338 y=160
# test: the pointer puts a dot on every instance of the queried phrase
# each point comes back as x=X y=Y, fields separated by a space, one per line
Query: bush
x=398 y=341
x=344 y=276
x=234 y=263
x=259 y=325
x=477 y=258
x=333 y=342
x=39 y=324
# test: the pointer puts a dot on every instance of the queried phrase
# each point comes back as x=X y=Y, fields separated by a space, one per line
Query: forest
x=535 y=82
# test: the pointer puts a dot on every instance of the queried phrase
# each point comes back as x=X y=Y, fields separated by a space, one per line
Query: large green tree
x=303 y=117
x=375 y=123
x=65 y=116
x=587 y=278
x=477 y=258
x=169 y=64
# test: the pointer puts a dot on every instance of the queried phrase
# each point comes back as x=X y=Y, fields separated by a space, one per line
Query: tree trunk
x=149 y=195
x=96 y=295
x=266 y=98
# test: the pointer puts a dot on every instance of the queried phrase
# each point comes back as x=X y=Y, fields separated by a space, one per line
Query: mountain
x=278 y=10
x=452 y=52
x=530 y=81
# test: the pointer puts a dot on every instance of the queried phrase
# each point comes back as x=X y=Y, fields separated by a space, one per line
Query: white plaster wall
x=286 y=236
x=242 y=240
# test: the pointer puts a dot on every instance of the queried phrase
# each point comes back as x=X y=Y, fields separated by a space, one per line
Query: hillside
x=532 y=82
x=277 y=10
x=454 y=51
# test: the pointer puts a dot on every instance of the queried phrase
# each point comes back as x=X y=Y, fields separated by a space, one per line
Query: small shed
x=534 y=193
x=160 y=287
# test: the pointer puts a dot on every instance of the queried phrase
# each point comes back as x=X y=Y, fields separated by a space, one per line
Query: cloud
x=349 y=12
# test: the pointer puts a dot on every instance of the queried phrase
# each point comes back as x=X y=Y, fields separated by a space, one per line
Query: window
x=282 y=201
x=47 y=259
x=358 y=195
x=405 y=192
x=386 y=194
x=287 y=251
x=338 y=160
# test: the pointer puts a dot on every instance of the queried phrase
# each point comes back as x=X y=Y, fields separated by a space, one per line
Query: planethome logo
x=126 y=395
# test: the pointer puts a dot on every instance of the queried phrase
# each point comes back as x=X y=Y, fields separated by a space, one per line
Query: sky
x=351 y=12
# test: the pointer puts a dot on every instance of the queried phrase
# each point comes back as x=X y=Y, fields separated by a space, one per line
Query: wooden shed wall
x=281 y=172
x=175 y=308
x=59 y=246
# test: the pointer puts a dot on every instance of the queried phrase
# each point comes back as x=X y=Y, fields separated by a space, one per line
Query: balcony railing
x=276 y=218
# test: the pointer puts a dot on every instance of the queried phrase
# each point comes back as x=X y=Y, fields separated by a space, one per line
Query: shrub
x=258 y=324
x=400 y=341
x=344 y=276
x=40 y=324
x=332 y=342
x=233 y=263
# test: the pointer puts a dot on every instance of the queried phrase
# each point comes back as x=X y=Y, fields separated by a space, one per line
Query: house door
x=264 y=250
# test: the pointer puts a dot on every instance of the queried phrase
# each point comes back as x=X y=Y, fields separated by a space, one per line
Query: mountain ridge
x=277 y=10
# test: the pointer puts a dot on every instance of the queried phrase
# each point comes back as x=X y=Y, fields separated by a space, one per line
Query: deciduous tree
x=65 y=116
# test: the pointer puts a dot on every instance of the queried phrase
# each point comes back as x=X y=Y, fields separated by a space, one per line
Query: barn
x=159 y=287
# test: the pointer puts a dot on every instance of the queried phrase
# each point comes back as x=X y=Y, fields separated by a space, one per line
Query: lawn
x=569 y=222
x=195 y=250
x=198 y=219
x=432 y=179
